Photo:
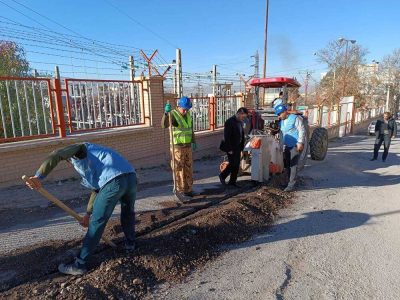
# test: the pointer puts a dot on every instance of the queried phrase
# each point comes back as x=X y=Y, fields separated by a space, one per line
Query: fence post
x=353 y=116
x=59 y=105
x=320 y=113
x=212 y=113
x=329 y=117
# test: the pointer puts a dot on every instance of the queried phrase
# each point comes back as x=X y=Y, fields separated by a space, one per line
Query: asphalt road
x=340 y=239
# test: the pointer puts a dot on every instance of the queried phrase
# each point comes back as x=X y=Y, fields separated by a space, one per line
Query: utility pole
x=134 y=92
x=178 y=73
x=265 y=40
x=256 y=65
x=56 y=72
x=174 y=77
x=306 y=81
x=131 y=68
x=214 y=79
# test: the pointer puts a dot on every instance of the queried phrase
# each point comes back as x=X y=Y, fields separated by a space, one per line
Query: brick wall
x=144 y=146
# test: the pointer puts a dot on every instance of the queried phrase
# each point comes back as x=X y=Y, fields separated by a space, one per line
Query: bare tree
x=390 y=76
x=342 y=79
x=372 y=94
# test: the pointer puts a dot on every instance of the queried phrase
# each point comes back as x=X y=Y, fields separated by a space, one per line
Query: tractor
x=263 y=153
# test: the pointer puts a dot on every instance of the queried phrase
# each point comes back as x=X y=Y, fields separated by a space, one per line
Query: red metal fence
x=96 y=104
x=33 y=108
x=201 y=113
x=227 y=106
x=210 y=113
x=26 y=109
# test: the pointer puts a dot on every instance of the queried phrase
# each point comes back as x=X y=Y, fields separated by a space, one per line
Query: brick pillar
x=155 y=108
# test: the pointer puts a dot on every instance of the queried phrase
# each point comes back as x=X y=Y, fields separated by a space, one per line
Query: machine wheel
x=304 y=154
x=319 y=144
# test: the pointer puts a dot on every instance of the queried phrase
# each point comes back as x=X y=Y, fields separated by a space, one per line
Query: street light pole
x=345 y=69
x=341 y=40
x=387 y=98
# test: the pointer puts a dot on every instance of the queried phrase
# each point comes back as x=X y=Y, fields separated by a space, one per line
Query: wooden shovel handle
x=64 y=207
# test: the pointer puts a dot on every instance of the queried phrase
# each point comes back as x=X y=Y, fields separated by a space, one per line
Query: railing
x=201 y=113
x=34 y=108
x=328 y=117
x=312 y=115
x=226 y=107
x=210 y=113
x=26 y=109
x=96 y=104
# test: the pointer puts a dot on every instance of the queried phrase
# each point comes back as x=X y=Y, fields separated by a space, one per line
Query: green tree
x=12 y=60
x=24 y=104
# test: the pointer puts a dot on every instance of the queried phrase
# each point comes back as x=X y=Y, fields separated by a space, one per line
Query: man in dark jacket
x=233 y=145
x=385 y=131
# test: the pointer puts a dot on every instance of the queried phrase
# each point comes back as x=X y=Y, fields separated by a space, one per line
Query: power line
x=51 y=20
x=14 y=9
x=140 y=24
x=12 y=22
x=49 y=39
x=72 y=65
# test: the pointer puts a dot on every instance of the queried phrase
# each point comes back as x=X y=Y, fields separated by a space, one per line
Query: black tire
x=304 y=154
x=319 y=144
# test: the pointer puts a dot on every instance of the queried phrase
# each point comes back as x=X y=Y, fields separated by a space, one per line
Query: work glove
x=34 y=183
x=194 y=146
x=167 y=108
x=85 y=220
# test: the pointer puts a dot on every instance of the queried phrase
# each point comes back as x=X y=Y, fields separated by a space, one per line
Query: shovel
x=171 y=138
x=64 y=207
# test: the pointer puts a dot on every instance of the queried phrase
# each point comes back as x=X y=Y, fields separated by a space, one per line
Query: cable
x=38 y=22
x=35 y=29
x=45 y=32
x=71 y=65
x=45 y=39
x=140 y=24
x=49 y=19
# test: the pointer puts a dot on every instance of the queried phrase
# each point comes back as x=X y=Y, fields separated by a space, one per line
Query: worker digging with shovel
x=111 y=178
x=183 y=143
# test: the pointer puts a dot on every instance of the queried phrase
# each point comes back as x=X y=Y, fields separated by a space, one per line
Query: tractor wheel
x=304 y=154
x=319 y=144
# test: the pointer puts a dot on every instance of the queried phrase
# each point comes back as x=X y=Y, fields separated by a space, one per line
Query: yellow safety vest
x=184 y=132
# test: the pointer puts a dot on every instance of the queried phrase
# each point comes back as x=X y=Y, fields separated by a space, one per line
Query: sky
x=222 y=32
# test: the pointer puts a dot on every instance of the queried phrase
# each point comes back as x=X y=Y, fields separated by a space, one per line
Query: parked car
x=371 y=128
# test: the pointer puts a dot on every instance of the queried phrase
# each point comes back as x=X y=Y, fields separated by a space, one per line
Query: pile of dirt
x=38 y=260
x=164 y=255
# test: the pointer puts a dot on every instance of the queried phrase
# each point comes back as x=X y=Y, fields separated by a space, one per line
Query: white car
x=371 y=128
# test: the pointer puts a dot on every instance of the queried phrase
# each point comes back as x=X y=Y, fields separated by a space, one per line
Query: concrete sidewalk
x=32 y=220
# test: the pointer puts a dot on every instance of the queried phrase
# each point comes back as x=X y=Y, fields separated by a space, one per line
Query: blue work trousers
x=122 y=188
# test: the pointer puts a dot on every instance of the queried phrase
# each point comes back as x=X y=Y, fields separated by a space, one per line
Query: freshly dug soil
x=167 y=254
